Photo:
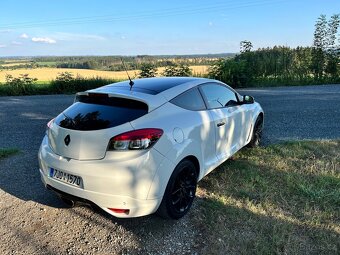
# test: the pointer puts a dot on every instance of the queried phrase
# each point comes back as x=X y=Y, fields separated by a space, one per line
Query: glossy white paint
x=136 y=180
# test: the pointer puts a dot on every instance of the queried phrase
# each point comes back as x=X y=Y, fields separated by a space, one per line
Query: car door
x=200 y=128
x=222 y=104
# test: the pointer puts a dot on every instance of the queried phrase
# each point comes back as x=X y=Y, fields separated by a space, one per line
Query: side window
x=218 y=96
x=190 y=100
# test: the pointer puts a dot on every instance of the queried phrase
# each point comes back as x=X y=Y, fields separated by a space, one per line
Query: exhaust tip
x=68 y=202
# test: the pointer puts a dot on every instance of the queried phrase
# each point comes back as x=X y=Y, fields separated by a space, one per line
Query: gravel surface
x=34 y=221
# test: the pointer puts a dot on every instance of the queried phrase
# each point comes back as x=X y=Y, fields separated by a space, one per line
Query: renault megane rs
x=136 y=150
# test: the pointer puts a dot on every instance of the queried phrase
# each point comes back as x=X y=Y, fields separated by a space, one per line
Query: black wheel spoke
x=176 y=201
x=183 y=191
x=176 y=191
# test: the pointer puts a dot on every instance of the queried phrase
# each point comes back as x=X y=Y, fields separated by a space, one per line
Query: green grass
x=281 y=199
x=4 y=153
x=47 y=63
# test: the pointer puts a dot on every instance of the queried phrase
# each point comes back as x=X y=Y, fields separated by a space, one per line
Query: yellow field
x=47 y=74
x=14 y=64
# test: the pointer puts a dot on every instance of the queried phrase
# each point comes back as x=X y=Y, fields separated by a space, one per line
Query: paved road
x=304 y=112
x=34 y=221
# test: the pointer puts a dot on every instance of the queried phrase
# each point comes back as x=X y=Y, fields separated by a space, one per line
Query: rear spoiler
x=153 y=101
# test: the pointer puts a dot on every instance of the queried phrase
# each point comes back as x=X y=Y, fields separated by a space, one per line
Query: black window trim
x=222 y=85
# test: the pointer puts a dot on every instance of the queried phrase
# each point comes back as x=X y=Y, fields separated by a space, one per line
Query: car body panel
x=93 y=141
x=195 y=125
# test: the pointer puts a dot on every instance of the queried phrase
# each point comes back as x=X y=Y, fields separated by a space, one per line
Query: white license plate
x=65 y=177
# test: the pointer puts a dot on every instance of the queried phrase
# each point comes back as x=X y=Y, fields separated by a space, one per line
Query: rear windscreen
x=98 y=111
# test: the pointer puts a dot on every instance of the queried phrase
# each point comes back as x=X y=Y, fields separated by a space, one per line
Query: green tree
x=177 y=70
x=169 y=71
x=147 y=70
x=183 y=70
x=231 y=71
x=245 y=46
x=332 y=50
x=319 y=45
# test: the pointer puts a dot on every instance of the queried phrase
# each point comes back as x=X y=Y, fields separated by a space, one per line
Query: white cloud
x=3 y=46
x=16 y=43
x=43 y=40
x=210 y=23
x=123 y=37
x=25 y=36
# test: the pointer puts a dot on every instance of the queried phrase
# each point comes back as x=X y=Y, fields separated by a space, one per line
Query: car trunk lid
x=83 y=130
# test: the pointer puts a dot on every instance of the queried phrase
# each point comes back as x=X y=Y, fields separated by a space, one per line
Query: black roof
x=151 y=86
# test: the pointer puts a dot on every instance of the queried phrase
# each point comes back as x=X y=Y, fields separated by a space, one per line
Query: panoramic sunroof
x=152 y=86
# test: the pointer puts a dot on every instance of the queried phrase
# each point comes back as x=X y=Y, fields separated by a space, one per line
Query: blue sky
x=83 y=27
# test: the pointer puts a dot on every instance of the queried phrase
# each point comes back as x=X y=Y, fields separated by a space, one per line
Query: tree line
x=281 y=65
x=114 y=63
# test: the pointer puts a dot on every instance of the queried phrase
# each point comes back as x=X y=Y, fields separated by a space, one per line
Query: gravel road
x=34 y=221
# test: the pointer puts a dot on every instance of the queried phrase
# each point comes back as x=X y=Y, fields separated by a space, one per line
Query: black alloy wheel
x=180 y=191
x=257 y=133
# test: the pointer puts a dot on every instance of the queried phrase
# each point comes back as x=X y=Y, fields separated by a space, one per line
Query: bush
x=66 y=83
x=234 y=73
x=22 y=85
x=147 y=70
x=177 y=70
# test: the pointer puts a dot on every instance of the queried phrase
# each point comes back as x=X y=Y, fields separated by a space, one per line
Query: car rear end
x=92 y=153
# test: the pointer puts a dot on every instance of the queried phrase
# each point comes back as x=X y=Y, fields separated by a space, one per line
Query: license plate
x=65 y=177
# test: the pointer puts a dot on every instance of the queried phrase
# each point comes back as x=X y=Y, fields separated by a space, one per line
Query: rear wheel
x=180 y=191
x=257 y=133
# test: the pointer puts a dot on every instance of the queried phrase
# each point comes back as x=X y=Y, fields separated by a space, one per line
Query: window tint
x=190 y=100
x=96 y=112
x=218 y=96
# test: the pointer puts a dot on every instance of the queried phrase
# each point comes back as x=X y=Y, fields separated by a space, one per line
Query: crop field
x=48 y=74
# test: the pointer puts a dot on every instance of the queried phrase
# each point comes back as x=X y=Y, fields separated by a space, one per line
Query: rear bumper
x=136 y=207
x=119 y=182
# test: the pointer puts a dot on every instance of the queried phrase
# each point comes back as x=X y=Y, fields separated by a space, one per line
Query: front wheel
x=180 y=191
x=257 y=133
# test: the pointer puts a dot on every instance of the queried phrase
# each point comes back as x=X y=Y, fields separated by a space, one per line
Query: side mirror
x=248 y=100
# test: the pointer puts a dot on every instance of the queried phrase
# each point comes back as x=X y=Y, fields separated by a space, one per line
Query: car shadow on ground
x=20 y=177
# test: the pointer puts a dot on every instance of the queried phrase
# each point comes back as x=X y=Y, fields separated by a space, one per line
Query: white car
x=135 y=150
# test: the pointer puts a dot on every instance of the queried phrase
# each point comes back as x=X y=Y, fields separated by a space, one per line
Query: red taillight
x=50 y=123
x=125 y=211
x=135 y=140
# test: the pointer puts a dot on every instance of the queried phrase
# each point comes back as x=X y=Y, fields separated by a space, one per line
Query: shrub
x=177 y=70
x=66 y=83
x=22 y=85
x=234 y=73
x=147 y=70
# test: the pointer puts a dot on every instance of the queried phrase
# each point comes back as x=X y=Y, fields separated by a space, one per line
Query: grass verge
x=4 y=153
x=280 y=199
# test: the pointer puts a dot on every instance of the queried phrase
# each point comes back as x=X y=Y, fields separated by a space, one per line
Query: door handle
x=220 y=124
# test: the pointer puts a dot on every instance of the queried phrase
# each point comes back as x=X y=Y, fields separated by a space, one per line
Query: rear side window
x=190 y=100
x=98 y=111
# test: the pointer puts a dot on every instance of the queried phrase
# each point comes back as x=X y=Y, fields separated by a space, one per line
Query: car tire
x=257 y=133
x=180 y=191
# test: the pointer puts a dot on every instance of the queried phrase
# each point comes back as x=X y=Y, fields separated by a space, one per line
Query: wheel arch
x=195 y=161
